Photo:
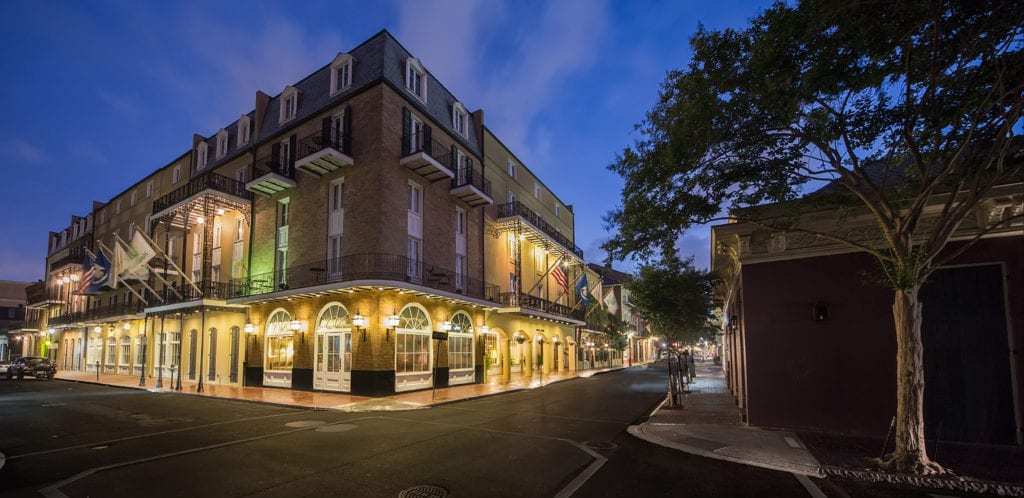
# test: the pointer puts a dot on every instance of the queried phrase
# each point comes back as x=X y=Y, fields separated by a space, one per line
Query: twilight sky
x=101 y=93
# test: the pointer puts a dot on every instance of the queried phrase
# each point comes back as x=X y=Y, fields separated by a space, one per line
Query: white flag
x=610 y=303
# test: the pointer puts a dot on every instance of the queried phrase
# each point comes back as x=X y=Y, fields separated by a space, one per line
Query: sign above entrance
x=441 y=336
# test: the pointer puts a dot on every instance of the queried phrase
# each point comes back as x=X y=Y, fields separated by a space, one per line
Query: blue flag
x=98 y=275
x=582 y=292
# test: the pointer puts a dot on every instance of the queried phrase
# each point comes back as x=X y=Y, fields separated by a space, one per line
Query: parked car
x=36 y=366
x=4 y=367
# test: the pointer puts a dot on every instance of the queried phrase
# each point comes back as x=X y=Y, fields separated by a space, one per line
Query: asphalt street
x=569 y=438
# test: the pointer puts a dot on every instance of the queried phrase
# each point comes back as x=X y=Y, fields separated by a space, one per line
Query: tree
x=910 y=111
x=675 y=297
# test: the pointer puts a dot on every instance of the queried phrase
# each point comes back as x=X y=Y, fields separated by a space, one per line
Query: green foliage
x=892 y=102
x=676 y=298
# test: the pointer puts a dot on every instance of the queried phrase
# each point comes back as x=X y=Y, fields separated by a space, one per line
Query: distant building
x=12 y=317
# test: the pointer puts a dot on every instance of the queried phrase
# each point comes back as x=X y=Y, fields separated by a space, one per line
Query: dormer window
x=289 y=103
x=149 y=189
x=341 y=73
x=511 y=168
x=460 y=119
x=135 y=196
x=202 y=155
x=416 y=78
x=243 y=131
x=222 y=143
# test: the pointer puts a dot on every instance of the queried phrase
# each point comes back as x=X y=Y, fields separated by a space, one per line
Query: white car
x=5 y=366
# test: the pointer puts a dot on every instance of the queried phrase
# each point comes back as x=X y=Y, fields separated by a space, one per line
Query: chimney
x=262 y=103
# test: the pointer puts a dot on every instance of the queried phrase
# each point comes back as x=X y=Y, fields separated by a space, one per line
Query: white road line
x=811 y=488
x=793 y=443
x=53 y=490
x=139 y=436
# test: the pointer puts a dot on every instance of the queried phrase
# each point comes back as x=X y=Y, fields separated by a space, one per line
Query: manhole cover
x=305 y=423
x=599 y=445
x=335 y=428
x=423 y=491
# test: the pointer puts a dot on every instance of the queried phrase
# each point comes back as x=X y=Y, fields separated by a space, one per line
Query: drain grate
x=599 y=445
x=424 y=491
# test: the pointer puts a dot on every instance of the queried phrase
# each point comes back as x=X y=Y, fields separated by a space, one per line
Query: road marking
x=139 y=436
x=793 y=443
x=809 y=485
x=53 y=490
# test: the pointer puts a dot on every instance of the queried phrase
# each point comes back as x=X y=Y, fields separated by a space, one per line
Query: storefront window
x=280 y=351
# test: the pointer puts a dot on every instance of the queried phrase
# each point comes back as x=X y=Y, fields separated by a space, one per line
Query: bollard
x=97 y=371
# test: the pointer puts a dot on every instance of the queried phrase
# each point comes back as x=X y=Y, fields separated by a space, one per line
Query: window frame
x=288 y=104
x=416 y=78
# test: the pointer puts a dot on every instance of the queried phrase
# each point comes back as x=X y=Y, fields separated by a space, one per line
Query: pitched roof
x=610 y=276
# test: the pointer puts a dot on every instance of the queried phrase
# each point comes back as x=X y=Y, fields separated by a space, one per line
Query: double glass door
x=334 y=362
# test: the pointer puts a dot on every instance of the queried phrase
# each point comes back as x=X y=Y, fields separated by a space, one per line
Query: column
x=506 y=360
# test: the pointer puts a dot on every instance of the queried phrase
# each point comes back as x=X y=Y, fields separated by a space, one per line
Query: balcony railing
x=524 y=300
x=36 y=293
x=98 y=313
x=426 y=156
x=207 y=290
x=324 y=151
x=369 y=266
x=271 y=175
x=471 y=187
x=208 y=181
x=518 y=209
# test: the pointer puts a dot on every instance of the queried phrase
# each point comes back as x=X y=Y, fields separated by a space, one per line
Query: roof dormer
x=416 y=78
x=289 y=104
x=202 y=156
x=341 y=72
x=460 y=119
x=244 y=130
x=222 y=143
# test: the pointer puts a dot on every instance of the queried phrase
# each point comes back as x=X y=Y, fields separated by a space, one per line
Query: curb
x=638 y=431
x=961 y=484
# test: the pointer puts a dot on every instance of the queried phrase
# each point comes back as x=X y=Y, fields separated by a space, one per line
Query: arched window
x=334 y=316
x=413 y=349
x=213 y=355
x=126 y=351
x=460 y=350
x=111 y=358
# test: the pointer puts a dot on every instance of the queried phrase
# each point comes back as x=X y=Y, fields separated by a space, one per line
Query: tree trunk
x=910 y=455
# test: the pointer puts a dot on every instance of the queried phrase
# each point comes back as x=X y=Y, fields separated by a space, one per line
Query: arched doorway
x=413 y=349
x=519 y=352
x=461 y=367
x=333 y=359
x=494 y=358
x=277 y=370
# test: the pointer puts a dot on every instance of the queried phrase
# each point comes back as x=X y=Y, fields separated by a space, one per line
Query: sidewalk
x=330 y=400
x=708 y=424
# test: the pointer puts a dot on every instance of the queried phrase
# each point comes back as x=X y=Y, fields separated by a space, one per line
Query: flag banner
x=85 y=287
x=610 y=303
x=582 y=291
x=103 y=273
x=134 y=258
x=560 y=278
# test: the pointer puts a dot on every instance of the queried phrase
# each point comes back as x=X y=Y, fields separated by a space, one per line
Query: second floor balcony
x=271 y=174
x=223 y=191
x=426 y=157
x=366 y=267
x=324 y=151
x=98 y=313
x=520 y=300
x=518 y=210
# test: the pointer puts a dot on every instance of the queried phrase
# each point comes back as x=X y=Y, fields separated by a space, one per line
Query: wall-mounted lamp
x=97 y=329
x=445 y=326
x=127 y=326
x=298 y=326
x=359 y=322
x=820 y=311
x=250 y=329
x=484 y=329
x=390 y=323
x=200 y=220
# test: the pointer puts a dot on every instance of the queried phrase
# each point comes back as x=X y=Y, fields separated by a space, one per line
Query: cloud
x=25 y=151
x=127 y=107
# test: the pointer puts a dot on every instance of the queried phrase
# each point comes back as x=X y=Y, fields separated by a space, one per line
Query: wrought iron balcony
x=35 y=294
x=469 y=186
x=323 y=152
x=207 y=290
x=198 y=185
x=523 y=300
x=426 y=157
x=518 y=209
x=367 y=266
x=98 y=313
x=271 y=175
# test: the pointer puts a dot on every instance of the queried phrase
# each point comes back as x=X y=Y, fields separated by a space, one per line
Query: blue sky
x=99 y=94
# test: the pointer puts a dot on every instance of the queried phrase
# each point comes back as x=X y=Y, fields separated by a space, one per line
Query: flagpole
x=169 y=260
x=125 y=246
x=167 y=283
x=113 y=275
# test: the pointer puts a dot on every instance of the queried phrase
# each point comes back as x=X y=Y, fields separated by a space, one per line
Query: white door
x=334 y=362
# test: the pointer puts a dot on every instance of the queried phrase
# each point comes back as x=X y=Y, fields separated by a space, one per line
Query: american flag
x=560 y=277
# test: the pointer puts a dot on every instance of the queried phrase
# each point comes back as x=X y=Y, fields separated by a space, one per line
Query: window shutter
x=326 y=133
x=406 y=122
x=275 y=153
x=427 y=143
x=346 y=130
x=291 y=150
x=469 y=167
x=453 y=162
